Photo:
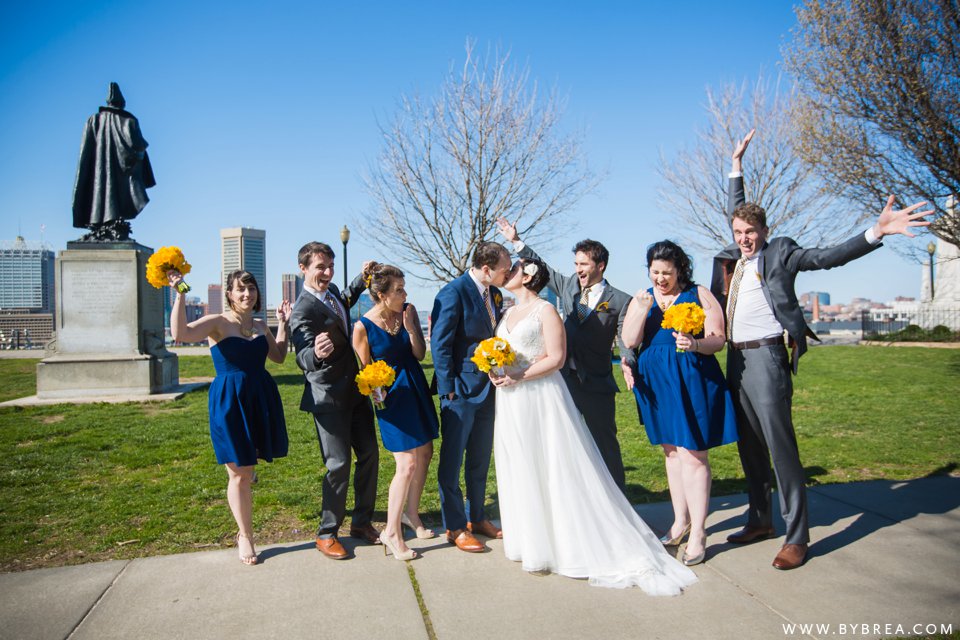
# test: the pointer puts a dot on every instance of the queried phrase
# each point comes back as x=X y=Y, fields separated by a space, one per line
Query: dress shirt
x=322 y=297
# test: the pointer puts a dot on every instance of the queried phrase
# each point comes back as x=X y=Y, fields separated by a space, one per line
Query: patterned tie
x=583 y=308
x=335 y=306
x=732 y=295
x=486 y=303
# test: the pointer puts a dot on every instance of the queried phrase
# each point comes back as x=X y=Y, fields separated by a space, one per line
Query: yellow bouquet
x=686 y=317
x=167 y=259
x=373 y=380
x=493 y=354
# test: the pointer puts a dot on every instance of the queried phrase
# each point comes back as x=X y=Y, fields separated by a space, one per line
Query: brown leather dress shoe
x=485 y=528
x=751 y=534
x=791 y=556
x=465 y=541
x=365 y=532
x=332 y=548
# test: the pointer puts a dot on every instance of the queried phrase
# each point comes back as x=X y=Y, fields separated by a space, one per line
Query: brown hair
x=488 y=254
x=379 y=278
x=309 y=250
x=245 y=278
x=751 y=213
x=595 y=251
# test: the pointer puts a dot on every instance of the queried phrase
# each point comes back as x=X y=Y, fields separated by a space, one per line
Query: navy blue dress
x=682 y=397
x=246 y=414
x=408 y=419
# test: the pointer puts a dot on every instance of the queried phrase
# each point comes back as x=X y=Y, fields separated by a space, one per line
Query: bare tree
x=695 y=181
x=488 y=145
x=880 y=112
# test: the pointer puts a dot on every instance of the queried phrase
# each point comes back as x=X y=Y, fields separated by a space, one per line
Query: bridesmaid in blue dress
x=681 y=395
x=390 y=331
x=246 y=414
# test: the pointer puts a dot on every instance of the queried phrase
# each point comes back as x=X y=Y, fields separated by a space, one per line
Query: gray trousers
x=762 y=392
x=600 y=413
x=338 y=433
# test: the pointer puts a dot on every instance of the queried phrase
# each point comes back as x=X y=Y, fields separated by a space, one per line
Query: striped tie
x=732 y=295
x=335 y=306
x=486 y=303
x=583 y=308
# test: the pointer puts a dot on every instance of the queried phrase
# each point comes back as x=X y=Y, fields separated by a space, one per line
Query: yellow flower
x=165 y=259
x=686 y=317
x=603 y=307
x=498 y=299
x=493 y=353
x=376 y=376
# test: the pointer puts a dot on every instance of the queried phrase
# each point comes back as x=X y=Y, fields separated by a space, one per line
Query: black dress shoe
x=365 y=532
x=751 y=534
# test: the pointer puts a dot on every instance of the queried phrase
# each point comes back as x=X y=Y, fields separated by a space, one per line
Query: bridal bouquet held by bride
x=560 y=509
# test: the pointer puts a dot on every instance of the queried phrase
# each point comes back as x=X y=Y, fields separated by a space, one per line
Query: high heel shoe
x=692 y=560
x=409 y=554
x=673 y=542
x=248 y=560
x=421 y=532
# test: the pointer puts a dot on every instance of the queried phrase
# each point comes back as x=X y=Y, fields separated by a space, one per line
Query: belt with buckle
x=754 y=344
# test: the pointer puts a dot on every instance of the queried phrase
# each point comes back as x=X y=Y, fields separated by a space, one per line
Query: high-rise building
x=26 y=276
x=214 y=298
x=246 y=248
x=292 y=284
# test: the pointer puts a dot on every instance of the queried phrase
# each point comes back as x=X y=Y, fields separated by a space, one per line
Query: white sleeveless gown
x=560 y=510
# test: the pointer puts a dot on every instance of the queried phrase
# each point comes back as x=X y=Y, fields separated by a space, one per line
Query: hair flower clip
x=530 y=269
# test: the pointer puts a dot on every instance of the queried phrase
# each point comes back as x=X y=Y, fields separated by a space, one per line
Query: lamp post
x=931 y=249
x=344 y=238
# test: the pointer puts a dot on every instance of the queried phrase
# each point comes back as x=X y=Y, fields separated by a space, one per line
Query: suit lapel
x=325 y=309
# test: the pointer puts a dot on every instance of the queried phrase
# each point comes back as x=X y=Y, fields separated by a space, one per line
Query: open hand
x=740 y=149
x=410 y=320
x=507 y=230
x=283 y=312
x=893 y=222
x=627 y=375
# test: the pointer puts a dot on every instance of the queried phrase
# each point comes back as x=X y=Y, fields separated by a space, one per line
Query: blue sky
x=265 y=114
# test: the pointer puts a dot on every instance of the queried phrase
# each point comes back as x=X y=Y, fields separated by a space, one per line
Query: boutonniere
x=759 y=277
x=498 y=299
x=603 y=307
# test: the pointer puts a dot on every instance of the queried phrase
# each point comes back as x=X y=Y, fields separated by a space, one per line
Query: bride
x=560 y=510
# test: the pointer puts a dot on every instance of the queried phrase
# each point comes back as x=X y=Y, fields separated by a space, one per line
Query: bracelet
x=696 y=345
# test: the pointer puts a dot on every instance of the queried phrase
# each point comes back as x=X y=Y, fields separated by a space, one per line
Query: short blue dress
x=246 y=414
x=409 y=418
x=682 y=397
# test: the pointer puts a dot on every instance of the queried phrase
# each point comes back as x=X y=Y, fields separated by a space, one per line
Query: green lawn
x=92 y=482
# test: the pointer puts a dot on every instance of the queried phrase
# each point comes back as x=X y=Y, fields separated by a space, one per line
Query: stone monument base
x=68 y=376
x=109 y=326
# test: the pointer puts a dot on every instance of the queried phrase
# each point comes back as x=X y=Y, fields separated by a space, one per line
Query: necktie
x=486 y=303
x=583 y=308
x=732 y=295
x=335 y=306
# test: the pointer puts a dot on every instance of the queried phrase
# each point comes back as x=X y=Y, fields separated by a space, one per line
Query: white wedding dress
x=559 y=508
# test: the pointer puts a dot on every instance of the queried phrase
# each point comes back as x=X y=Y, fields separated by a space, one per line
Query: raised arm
x=195 y=331
x=636 y=318
x=735 y=194
x=411 y=322
x=278 y=346
x=892 y=222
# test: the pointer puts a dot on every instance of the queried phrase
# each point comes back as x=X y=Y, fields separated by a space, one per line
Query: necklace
x=664 y=305
x=386 y=325
x=246 y=333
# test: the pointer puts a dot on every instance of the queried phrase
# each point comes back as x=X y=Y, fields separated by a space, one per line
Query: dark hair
x=538 y=280
x=672 y=253
x=596 y=251
x=752 y=214
x=245 y=278
x=379 y=278
x=311 y=249
x=488 y=254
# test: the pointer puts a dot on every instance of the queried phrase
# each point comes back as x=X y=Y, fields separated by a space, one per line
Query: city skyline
x=267 y=117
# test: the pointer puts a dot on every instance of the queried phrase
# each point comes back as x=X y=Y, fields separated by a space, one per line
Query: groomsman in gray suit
x=753 y=279
x=594 y=316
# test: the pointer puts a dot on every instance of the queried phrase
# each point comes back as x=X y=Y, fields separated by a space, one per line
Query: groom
x=465 y=312
x=594 y=317
x=754 y=280
x=319 y=325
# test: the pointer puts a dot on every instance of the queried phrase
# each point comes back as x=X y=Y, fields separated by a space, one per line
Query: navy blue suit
x=459 y=322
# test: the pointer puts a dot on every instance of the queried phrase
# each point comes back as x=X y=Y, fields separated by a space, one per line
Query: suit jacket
x=779 y=263
x=459 y=321
x=329 y=384
x=589 y=342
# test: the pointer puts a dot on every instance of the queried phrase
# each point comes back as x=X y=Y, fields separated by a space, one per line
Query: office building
x=214 y=298
x=246 y=248
x=292 y=285
x=26 y=276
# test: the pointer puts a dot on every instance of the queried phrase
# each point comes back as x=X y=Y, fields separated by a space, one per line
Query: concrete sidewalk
x=885 y=558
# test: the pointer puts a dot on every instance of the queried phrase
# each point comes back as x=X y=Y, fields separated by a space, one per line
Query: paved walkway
x=885 y=558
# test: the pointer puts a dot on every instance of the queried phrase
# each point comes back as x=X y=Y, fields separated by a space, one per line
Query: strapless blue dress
x=409 y=418
x=246 y=414
x=682 y=397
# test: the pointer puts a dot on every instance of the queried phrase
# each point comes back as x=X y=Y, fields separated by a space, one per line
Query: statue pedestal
x=109 y=324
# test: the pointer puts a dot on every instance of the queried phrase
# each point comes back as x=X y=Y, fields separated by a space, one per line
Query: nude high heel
x=421 y=532
x=409 y=554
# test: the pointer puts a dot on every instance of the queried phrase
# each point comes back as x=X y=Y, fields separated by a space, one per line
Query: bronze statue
x=113 y=173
